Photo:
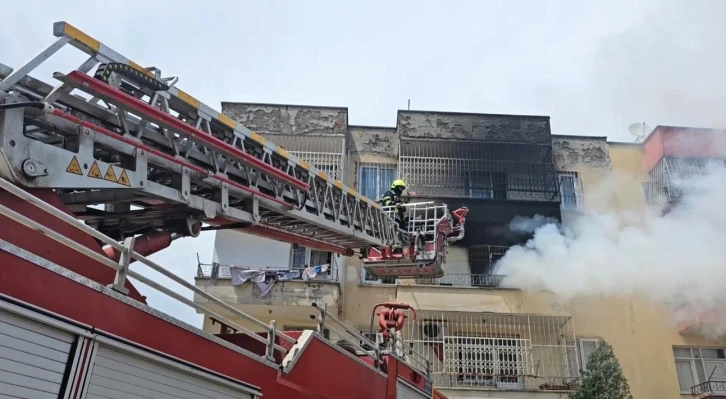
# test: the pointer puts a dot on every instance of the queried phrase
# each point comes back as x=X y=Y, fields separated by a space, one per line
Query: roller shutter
x=33 y=358
x=118 y=374
x=405 y=391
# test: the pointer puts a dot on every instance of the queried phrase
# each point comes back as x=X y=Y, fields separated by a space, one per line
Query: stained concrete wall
x=499 y=128
x=372 y=140
x=590 y=158
x=575 y=152
x=288 y=119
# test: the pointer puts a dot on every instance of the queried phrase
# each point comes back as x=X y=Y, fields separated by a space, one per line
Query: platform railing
x=422 y=216
x=123 y=271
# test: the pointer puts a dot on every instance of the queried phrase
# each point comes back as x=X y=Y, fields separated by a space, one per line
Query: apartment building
x=483 y=340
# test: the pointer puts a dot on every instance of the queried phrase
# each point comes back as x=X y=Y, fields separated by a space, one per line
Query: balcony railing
x=464 y=280
x=709 y=387
x=496 y=350
x=216 y=271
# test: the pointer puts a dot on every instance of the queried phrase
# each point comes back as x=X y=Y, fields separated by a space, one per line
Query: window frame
x=693 y=361
x=308 y=257
x=581 y=350
x=577 y=189
x=459 y=346
x=378 y=168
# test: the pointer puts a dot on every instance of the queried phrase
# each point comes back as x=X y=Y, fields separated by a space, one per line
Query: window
x=695 y=366
x=375 y=179
x=482 y=259
x=302 y=256
x=577 y=352
x=570 y=190
x=499 y=362
x=586 y=347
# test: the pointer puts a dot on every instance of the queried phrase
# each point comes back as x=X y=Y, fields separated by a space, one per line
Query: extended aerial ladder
x=131 y=154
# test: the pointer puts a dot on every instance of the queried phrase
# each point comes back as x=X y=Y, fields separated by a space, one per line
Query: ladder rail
x=122 y=269
x=297 y=197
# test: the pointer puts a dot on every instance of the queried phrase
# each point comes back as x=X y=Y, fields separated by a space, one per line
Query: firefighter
x=392 y=197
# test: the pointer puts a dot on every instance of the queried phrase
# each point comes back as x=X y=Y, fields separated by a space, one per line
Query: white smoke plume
x=676 y=257
x=522 y=224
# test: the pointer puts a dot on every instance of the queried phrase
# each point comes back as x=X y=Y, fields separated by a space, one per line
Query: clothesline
x=265 y=279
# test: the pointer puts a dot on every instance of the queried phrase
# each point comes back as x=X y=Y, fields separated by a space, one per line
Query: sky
x=594 y=67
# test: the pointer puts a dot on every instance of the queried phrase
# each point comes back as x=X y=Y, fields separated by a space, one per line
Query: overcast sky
x=593 y=66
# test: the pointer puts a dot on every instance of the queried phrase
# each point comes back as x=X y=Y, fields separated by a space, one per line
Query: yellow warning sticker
x=74 y=167
x=124 y=179
x=95 y=171
x=110 y=174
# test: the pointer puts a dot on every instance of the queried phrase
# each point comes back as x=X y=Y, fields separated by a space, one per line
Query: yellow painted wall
x=628 y=175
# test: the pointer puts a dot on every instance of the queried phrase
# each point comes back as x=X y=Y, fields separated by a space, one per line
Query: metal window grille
x=483 y=257
x=668 y=171
x=570 y=190
x=495 y=350
x=482 y=170
x=322 y=152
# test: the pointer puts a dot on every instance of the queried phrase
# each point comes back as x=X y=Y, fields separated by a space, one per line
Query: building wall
x=289 y=119
x=233 y=247
x=589 y=157
x=611 y=174
x=497 y=128
x=628 y=175
x=370 y=140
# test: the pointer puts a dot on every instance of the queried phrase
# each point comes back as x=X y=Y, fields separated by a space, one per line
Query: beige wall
x=642 y=333
x=628 y=175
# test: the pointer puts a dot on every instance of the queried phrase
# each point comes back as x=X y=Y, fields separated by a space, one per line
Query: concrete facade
x=495 y=128
x=641 y=332
x=370 y=140
x=289 y=119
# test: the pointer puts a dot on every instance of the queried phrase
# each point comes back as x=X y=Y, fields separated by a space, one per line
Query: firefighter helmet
x=398 y=183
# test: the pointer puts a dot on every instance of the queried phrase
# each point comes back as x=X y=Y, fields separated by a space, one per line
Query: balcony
x=270 y=293
x=710 y=389
x=464 y=280
x=496 y=350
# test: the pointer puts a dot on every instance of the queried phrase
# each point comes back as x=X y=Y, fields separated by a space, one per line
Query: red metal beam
x=167 y=157
x=113 y=95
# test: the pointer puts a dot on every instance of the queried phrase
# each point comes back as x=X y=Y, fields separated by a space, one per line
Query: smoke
x=677 y=257
x=521 y=224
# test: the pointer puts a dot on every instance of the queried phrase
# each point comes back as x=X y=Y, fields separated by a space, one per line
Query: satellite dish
x=639 y=130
